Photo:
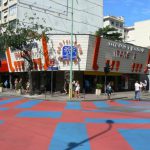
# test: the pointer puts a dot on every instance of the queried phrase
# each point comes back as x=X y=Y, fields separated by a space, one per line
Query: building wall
x=122 y=57
x=91 y=54
x=45 y=58
x=140 y=35
x=130 y=35
x=87 y=15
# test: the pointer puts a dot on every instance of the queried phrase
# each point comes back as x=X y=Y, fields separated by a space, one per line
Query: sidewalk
x=57 y=96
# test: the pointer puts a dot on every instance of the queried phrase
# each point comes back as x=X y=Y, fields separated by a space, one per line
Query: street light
x=70 y=85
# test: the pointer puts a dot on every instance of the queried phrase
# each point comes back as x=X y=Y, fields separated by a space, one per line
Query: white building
x=139 y=34
x=116 y=22
x=87 y=15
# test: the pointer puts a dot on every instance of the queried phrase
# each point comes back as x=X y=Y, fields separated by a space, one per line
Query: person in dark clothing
x=108 y=91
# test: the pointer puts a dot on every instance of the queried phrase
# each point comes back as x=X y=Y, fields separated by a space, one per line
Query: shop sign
x=124 y=54
x=126 y=46
x=66 y=52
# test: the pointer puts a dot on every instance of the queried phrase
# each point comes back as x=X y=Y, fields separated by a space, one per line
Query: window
x=112 y=23
x=121 y=25
x=12 y=10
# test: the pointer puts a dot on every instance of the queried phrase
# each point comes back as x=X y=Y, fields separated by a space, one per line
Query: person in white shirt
x=137 y=90
x=77 y=90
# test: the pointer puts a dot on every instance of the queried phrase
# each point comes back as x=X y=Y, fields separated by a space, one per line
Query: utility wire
x=77 y=9
x=45 y=11
x=94 y=3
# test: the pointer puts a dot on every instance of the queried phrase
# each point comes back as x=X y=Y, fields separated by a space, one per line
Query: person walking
x=73 y=88
x=15 y=83
x=27 y=87
x=6 y=84
x=77 y=90
x=109 y=91
x=66 y=87
x=138 y=88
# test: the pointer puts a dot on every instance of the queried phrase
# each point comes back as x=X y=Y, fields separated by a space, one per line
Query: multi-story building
x=139 y=34
x=57 y=14
x=116 y=22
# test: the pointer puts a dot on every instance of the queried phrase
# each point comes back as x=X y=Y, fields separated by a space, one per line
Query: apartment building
x=87 y=15
x=116 y=22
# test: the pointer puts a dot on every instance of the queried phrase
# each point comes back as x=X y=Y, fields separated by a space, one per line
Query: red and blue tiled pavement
x=27 y=124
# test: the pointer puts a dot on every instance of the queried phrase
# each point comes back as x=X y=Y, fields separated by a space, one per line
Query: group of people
x=18 y=84
x=139 y=87
x=75 y=88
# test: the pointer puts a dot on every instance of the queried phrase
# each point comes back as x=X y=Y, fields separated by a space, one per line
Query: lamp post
x=70 y=84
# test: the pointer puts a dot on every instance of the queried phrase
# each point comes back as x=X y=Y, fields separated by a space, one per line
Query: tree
x=109 y=33
x=22 y=38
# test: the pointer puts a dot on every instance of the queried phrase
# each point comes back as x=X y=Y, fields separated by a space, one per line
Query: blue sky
x=131 y=10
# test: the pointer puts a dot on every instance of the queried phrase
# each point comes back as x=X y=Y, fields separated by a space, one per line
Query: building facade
x=87 y=16
x=90 y=55
x=116 y=22
x=139 y=34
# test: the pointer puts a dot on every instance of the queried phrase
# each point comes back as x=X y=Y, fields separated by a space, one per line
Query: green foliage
x=23 y=34
x=99 y=86
x=109 y=33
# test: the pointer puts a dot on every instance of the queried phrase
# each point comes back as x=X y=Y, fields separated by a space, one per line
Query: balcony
x=12 y=2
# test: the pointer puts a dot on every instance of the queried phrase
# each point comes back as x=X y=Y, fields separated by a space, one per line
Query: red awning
x=4 y=66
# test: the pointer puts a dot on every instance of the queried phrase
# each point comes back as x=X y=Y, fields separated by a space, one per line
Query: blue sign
x=66 y=52
x=52 y=68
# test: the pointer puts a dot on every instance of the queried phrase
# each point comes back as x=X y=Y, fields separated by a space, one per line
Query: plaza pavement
x=57 y=96
x=58 y=124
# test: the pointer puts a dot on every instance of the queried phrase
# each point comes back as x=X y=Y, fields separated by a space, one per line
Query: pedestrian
x=20 y=82
x=138 y=88
x=66 y=86
x=16 y=82
x=6 y=83
x=73 y=88
x=27 y=87
x=145 y=85
x=109 y=91
x=77 y=90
